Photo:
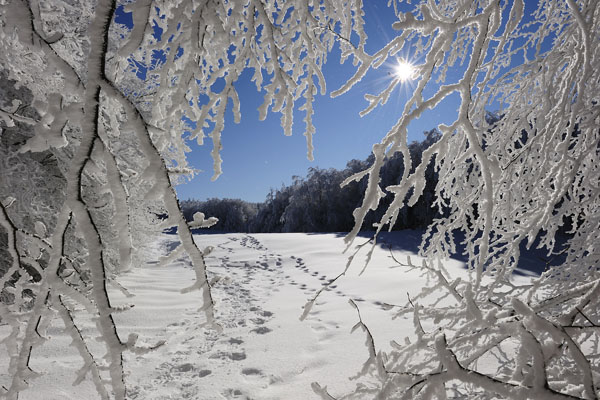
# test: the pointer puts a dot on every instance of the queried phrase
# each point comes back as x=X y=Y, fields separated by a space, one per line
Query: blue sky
x=257 y=156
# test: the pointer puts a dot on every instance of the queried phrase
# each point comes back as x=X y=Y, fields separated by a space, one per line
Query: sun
x=404 y=70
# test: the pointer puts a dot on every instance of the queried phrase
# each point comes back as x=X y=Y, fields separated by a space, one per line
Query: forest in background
x=319 y=202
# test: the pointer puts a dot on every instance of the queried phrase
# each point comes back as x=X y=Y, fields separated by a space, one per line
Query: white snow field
x=264 y=351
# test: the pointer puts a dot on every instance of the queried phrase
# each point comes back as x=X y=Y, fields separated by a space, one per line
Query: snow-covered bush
x=520 y=178
x=93 y=119
x=233 y=214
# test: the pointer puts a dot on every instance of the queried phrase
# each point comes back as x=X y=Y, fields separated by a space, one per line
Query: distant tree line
x=318 y=203
x=234 y=215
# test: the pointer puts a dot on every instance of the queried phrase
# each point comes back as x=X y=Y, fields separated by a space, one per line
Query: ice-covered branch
x=520 y=175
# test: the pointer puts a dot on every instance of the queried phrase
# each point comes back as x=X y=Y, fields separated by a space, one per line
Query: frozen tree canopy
x=526 y=176
x=92 y=144
x=93 y=115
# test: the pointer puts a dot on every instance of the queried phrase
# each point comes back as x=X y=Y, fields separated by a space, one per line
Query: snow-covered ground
x=264 y=351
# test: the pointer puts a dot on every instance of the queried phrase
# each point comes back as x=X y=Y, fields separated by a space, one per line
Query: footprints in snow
x=235 y=341
x=190 y=368
x=223 y=355
x=247 y=279
x=274 y=264
x=299 y=264
x=251 y=371
x=204 y=372
x=251 y=242
x=261 y=330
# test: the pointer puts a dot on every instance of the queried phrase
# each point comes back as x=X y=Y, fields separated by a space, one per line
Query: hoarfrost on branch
x=94 y=116
x=527 y=174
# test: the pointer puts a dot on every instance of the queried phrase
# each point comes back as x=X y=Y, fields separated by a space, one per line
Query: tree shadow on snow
x=532 y=261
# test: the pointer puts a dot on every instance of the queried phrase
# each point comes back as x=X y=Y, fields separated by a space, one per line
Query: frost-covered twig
x=310 y=303
x=506 y=180
x=116 y=143
x=90 y=364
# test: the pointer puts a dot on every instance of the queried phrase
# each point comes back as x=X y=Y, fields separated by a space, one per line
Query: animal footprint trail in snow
x=250 y=275
x=259 y=288
x=195 y=354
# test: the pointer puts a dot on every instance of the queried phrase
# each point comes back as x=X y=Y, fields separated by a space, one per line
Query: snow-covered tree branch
x=94 y=116
x=528 y=176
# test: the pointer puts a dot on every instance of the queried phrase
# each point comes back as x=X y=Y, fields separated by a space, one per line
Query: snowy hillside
x=264 y=351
